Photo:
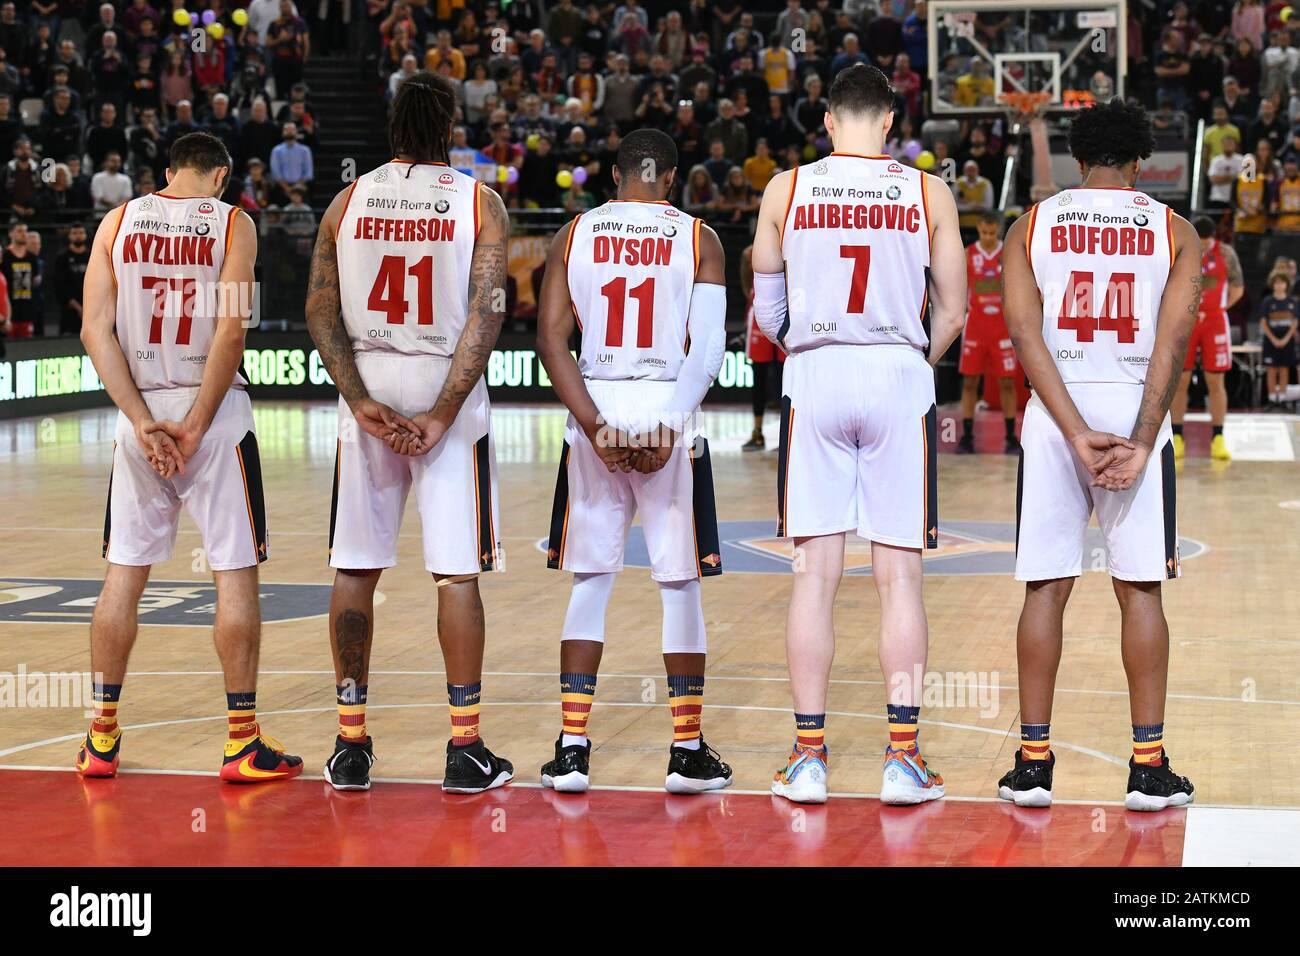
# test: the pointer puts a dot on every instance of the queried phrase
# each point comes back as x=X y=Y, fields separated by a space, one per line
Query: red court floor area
x=57 y=819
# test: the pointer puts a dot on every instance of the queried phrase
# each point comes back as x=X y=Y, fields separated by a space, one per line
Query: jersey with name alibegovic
x=1101 y=258
x=404 y=245
x=856 y=244
x=167 y=257
x=631 y=267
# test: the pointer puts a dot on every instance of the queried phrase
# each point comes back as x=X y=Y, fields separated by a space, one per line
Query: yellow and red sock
x=686 y=698
x=463 y=702
x=902 y=727
x=1036 y=741
x=241 y=717
x=352 y=711
x=1148 y=743
x=105 y=698
x=577 y=691
x=810 y=731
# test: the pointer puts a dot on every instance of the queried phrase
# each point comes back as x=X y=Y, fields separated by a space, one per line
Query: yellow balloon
x=240 y=17
x=502 y=174
x=532 y=140
x=216 y=31
x=1286 y=13
x=181 y=18
x=564 y=179
x=924 y=159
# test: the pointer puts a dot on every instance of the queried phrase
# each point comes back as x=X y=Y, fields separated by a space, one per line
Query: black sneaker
x=1012 y=446
x=1155 y=786
x=570 y=771
x=1029 y=783
x=349 y=768
x=694 y=771
x=756 y=442
x=966 y=444
x=473 y=768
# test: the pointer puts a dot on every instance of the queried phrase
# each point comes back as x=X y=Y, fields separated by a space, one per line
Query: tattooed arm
x=1178 y=307
x=487 y=313
x=325 y=324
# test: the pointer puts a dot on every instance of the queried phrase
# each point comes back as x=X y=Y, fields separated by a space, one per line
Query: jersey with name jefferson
x=1101 y=258
x=631 y=267
x=167 y=257
x=856 y=244
x=404 y=245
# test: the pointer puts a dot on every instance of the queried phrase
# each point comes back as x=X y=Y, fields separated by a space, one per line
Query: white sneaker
x=804 y=778
x=906 y=780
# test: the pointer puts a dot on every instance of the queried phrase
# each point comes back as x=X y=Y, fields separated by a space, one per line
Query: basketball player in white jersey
x=645 y=284
x=167 y=300
x=1102 y=285
x=406 y=299
x=850 y=255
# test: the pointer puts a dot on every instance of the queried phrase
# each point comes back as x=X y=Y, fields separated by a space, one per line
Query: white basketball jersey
x=167 y=257
x=1101 y=258
x=631 y=268
x=404 y=245
x=856 y=244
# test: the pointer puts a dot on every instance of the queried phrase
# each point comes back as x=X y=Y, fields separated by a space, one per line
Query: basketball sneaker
x=349 y=767
x=1012 y=447
x=261 y=759
x=804 y=778
x=695 y=771
x=1155 y=786
x=966 y=444
x=1219 y=448
x=756 y=442
x=473 y=768
x=1029 y=782
x=907 y=780
x=1180 y=447
x=99 y=754
x=570 y=771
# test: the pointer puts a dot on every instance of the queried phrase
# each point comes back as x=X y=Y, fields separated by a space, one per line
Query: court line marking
x=991 y=731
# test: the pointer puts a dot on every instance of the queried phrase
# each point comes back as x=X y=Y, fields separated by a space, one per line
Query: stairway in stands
x=348 y=103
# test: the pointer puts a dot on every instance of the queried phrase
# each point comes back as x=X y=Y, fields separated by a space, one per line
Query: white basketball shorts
x=858 y=432
x=221 y=489
x=593 y=508
x=454 y=484
x=1054 y=499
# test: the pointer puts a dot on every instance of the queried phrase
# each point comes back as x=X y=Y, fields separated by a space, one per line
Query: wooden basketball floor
x=1231 y=722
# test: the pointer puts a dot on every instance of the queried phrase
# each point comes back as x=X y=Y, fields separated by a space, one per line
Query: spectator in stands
x=777 y=127
x=1241 y=107
x=686 y=132
x=620 y=94
x=259 y=135
x=80 y=187
x=249 y=84
x=442 y=51
x=296 y=218
x=182 y=124
x=729 y=131
x=537 y=177
x=672 y=41
x=19 y=268
x=137 y=13
x=105 y=136
x=1279 y=64
x=209 y=66
x=1248 y=22
x=1172 y=68
x=55 y=201
x=697 y=71
x=69 y=273
x=700 y=194
x=990 y=163
x=142 y=90
x=60 y=127
x=1270 y=126
x=1204 y=77
x=256 y=193
x=291 y=162
x=110 y=187
x=11 y=126
x=908 y=84
x=586 y=85
x=851 y=55
x=109 y=70
x=289 y=41
x=223 y=124
x=737 y=202
x=810 y=111
x=975 y=87
x=718 y=165
x=1279 y=325
x=1220 y=128
x=145 y=142
x=1223 y=172
x=263 y=13
x=759 y=168
x=974 y=195
x=1287 y=198
x=177 y=84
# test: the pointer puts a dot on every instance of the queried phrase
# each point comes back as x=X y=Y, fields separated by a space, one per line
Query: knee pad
x=585 y=618
x=683 y=631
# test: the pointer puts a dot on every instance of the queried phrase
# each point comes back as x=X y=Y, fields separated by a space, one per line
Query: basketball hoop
x=1025 y=105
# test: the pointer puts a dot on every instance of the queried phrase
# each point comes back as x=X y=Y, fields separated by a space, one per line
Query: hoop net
x=1025 y=104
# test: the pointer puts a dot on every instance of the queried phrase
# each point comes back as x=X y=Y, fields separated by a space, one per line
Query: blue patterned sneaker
x=907 y=780
x=804 y=778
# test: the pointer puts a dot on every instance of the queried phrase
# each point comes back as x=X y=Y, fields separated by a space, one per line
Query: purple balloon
x=912 y=148
x=580 y=175
x=194 y=19
x=512 y=175
x=208 y=17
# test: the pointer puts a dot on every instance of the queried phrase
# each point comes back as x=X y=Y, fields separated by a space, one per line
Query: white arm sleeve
x=707 y=327
x=769 y=303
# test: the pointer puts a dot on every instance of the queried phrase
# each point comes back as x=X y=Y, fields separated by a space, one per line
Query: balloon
x=532 y=140
x=194 y=19
x=216 y=31
x=1286 y=14
x=502 y=175
x=564 y=179
x=208 y=17
x=912 y=148
x=512 y=175
x=240 y=17
x=181 y=18
x=924 y=159
x=580 y=175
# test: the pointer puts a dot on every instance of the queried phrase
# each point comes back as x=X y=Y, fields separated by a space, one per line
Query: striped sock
x=241 y=714
x=686 y=698
x=463 y=702
x=352 y=711
x=1148 y=743
x=105 y=712
x=902 y=727
x=810 y=731
x=577 y=691
x=1036 y=741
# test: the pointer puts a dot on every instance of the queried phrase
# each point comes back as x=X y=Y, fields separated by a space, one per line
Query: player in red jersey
x=985 y=343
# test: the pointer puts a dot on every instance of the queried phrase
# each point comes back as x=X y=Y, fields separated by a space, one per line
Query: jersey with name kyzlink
x=631 y=267
x=167 y=257
x=1101 y=258
x=404 y=243
x=856 y=244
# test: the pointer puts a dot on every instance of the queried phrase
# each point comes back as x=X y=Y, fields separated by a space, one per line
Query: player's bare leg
x=809 y=651
x=250 y=756
x=471 y=767
x=1216 y=398
x=352 y=628
x=970 y=393
x=904 y=644
x=113 y=630
x=1178 y=411
x=1009 y=400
